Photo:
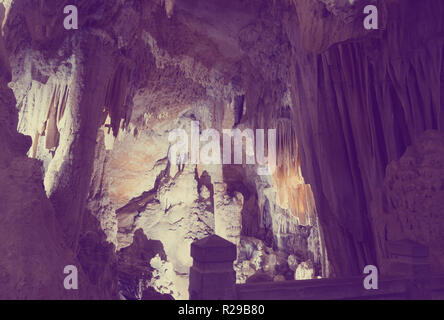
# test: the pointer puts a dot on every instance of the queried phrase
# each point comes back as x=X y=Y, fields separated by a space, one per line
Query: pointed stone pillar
x=411 y=259
x=212 y=276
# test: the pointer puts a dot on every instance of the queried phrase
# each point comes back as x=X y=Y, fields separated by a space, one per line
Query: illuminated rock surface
x=350 y=107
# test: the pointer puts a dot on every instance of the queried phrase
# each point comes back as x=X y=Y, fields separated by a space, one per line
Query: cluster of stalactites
x=49 y=125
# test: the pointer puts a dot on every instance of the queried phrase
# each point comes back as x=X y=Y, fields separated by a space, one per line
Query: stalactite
x=55 y=114
x=169 y=7
x=115 y=98
x=50 y=115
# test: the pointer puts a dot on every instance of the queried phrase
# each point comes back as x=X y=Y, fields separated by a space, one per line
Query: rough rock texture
x=304 y=271
x=257 y=261
x=98 y=103
x=135 y=268
x=359 y=105
x=414 y=197
x=32 y=248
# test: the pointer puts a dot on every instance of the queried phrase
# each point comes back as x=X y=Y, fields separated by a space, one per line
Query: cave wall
x=99 y=102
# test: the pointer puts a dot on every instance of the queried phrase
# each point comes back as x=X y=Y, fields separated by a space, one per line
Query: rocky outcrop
x=304 y=271
x=413 y=199
x=256 y=262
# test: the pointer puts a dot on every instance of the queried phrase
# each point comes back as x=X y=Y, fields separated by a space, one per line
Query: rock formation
x=86 y=116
